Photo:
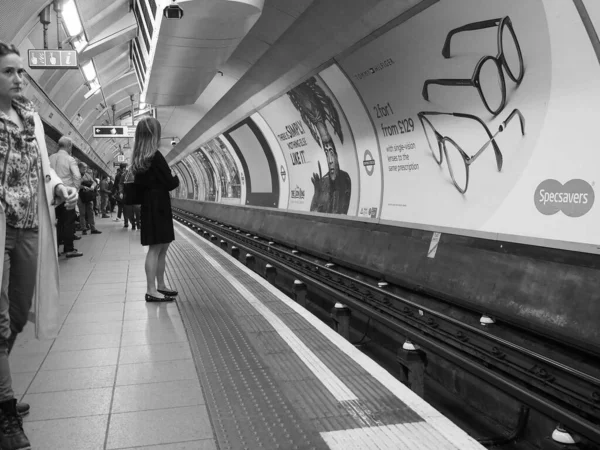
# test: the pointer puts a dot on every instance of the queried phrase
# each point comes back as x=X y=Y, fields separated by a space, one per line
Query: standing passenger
x=86 y=200
x=29 y=186
x=153 y=174
x=104 y=191
x=66 y=168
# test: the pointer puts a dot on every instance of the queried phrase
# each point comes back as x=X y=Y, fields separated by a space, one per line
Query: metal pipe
x=58 y=9
x=132 y=111
x=45 y=20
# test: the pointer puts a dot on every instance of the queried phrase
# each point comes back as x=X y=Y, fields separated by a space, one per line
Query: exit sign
x=52 y=59
x=108 y=131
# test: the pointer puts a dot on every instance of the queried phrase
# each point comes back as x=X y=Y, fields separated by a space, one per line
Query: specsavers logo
x=575 y=198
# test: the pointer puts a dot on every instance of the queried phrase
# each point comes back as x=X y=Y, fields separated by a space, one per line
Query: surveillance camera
x=173 y=142
x=173 y=12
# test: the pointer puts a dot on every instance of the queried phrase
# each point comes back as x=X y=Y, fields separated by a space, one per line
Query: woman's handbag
x=133 y=193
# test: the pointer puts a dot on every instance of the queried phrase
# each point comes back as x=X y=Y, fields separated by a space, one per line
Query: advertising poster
x=226 y=145
x=282 y=169
x=213 y=184
x=205 y=177
x=218 y=171
x=231 y=187
x=192 y=186
x=200 y=193
x=182 y=190
x=365 y=140
x=318 y=147
x=187 y=163
x=486 y=113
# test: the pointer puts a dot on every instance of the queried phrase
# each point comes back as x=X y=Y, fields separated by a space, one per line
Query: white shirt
x=66 y=168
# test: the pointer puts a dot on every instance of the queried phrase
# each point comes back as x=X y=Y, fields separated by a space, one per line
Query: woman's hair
x=147 y=141
x=7 y=49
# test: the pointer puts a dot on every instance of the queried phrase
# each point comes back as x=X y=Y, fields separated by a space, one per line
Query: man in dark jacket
x=118 y=195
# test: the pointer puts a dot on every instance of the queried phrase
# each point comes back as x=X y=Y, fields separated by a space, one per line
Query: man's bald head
x=65 y=143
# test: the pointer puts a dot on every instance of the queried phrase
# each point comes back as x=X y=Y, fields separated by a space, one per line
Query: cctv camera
x=173 y=12
x=173 y=142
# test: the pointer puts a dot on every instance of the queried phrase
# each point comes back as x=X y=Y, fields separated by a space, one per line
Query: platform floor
x=233 y=364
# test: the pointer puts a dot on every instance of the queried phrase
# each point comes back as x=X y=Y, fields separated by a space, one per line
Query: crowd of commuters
x=45 y=199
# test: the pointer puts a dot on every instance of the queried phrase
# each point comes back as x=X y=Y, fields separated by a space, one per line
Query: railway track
x=559 y=380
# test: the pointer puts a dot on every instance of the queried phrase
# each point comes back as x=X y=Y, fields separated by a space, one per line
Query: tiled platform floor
x=120 y=375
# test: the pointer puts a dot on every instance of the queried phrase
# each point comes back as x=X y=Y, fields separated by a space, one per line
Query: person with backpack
x=131 y=210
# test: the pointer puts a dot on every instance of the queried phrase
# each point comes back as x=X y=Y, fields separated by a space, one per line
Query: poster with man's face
x=316 y=141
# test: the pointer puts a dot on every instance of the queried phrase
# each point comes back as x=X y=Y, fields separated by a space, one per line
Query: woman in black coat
x=154 y=180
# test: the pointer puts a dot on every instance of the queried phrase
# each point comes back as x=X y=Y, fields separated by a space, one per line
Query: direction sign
x=52 y=59
x=109 y=131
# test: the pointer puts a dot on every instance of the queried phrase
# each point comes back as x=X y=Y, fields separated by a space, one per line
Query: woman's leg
x=160 y=272
x=151 y=268
x=6 y=392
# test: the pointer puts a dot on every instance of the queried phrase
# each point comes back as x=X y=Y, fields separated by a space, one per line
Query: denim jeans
x=20 y=266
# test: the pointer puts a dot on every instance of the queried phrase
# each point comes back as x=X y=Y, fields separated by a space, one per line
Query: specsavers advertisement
x=486 y=113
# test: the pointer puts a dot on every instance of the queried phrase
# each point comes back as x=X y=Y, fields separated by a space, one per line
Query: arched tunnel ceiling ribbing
x=290 y=40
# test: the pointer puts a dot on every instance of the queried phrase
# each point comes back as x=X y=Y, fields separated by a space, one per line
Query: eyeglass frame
x=468 y=160
x=499 y=60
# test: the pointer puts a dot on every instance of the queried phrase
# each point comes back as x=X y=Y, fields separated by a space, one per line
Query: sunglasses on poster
x=457 y=159
x=488 y=75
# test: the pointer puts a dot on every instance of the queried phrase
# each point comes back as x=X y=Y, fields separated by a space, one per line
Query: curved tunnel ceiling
x=261 y=48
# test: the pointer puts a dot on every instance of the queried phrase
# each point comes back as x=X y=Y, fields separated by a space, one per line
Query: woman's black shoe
x=151 y=298
x=168 y=293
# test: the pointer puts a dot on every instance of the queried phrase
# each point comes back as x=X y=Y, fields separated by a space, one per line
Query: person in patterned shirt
x=28 y=186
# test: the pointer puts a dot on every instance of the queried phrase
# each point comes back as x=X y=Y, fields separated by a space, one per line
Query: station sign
x=110 y=131
x=52 y=59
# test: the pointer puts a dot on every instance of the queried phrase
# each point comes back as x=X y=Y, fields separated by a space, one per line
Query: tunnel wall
x=545 y=290
x=484 y=196
x=386 y=133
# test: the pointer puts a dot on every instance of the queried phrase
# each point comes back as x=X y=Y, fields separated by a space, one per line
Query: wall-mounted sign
x=52 y=59
x=109 y=131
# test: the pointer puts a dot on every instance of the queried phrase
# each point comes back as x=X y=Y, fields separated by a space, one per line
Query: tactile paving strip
x=248 y=409
x=378 y=404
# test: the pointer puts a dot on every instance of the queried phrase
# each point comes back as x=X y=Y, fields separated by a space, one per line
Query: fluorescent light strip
x=71 y=18
x=89 y=72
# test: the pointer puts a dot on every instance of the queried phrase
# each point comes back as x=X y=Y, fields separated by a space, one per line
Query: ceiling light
x=79 y=43
x=94 y=88
x=88 y=71
x=94 y=84
x=71 y=18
